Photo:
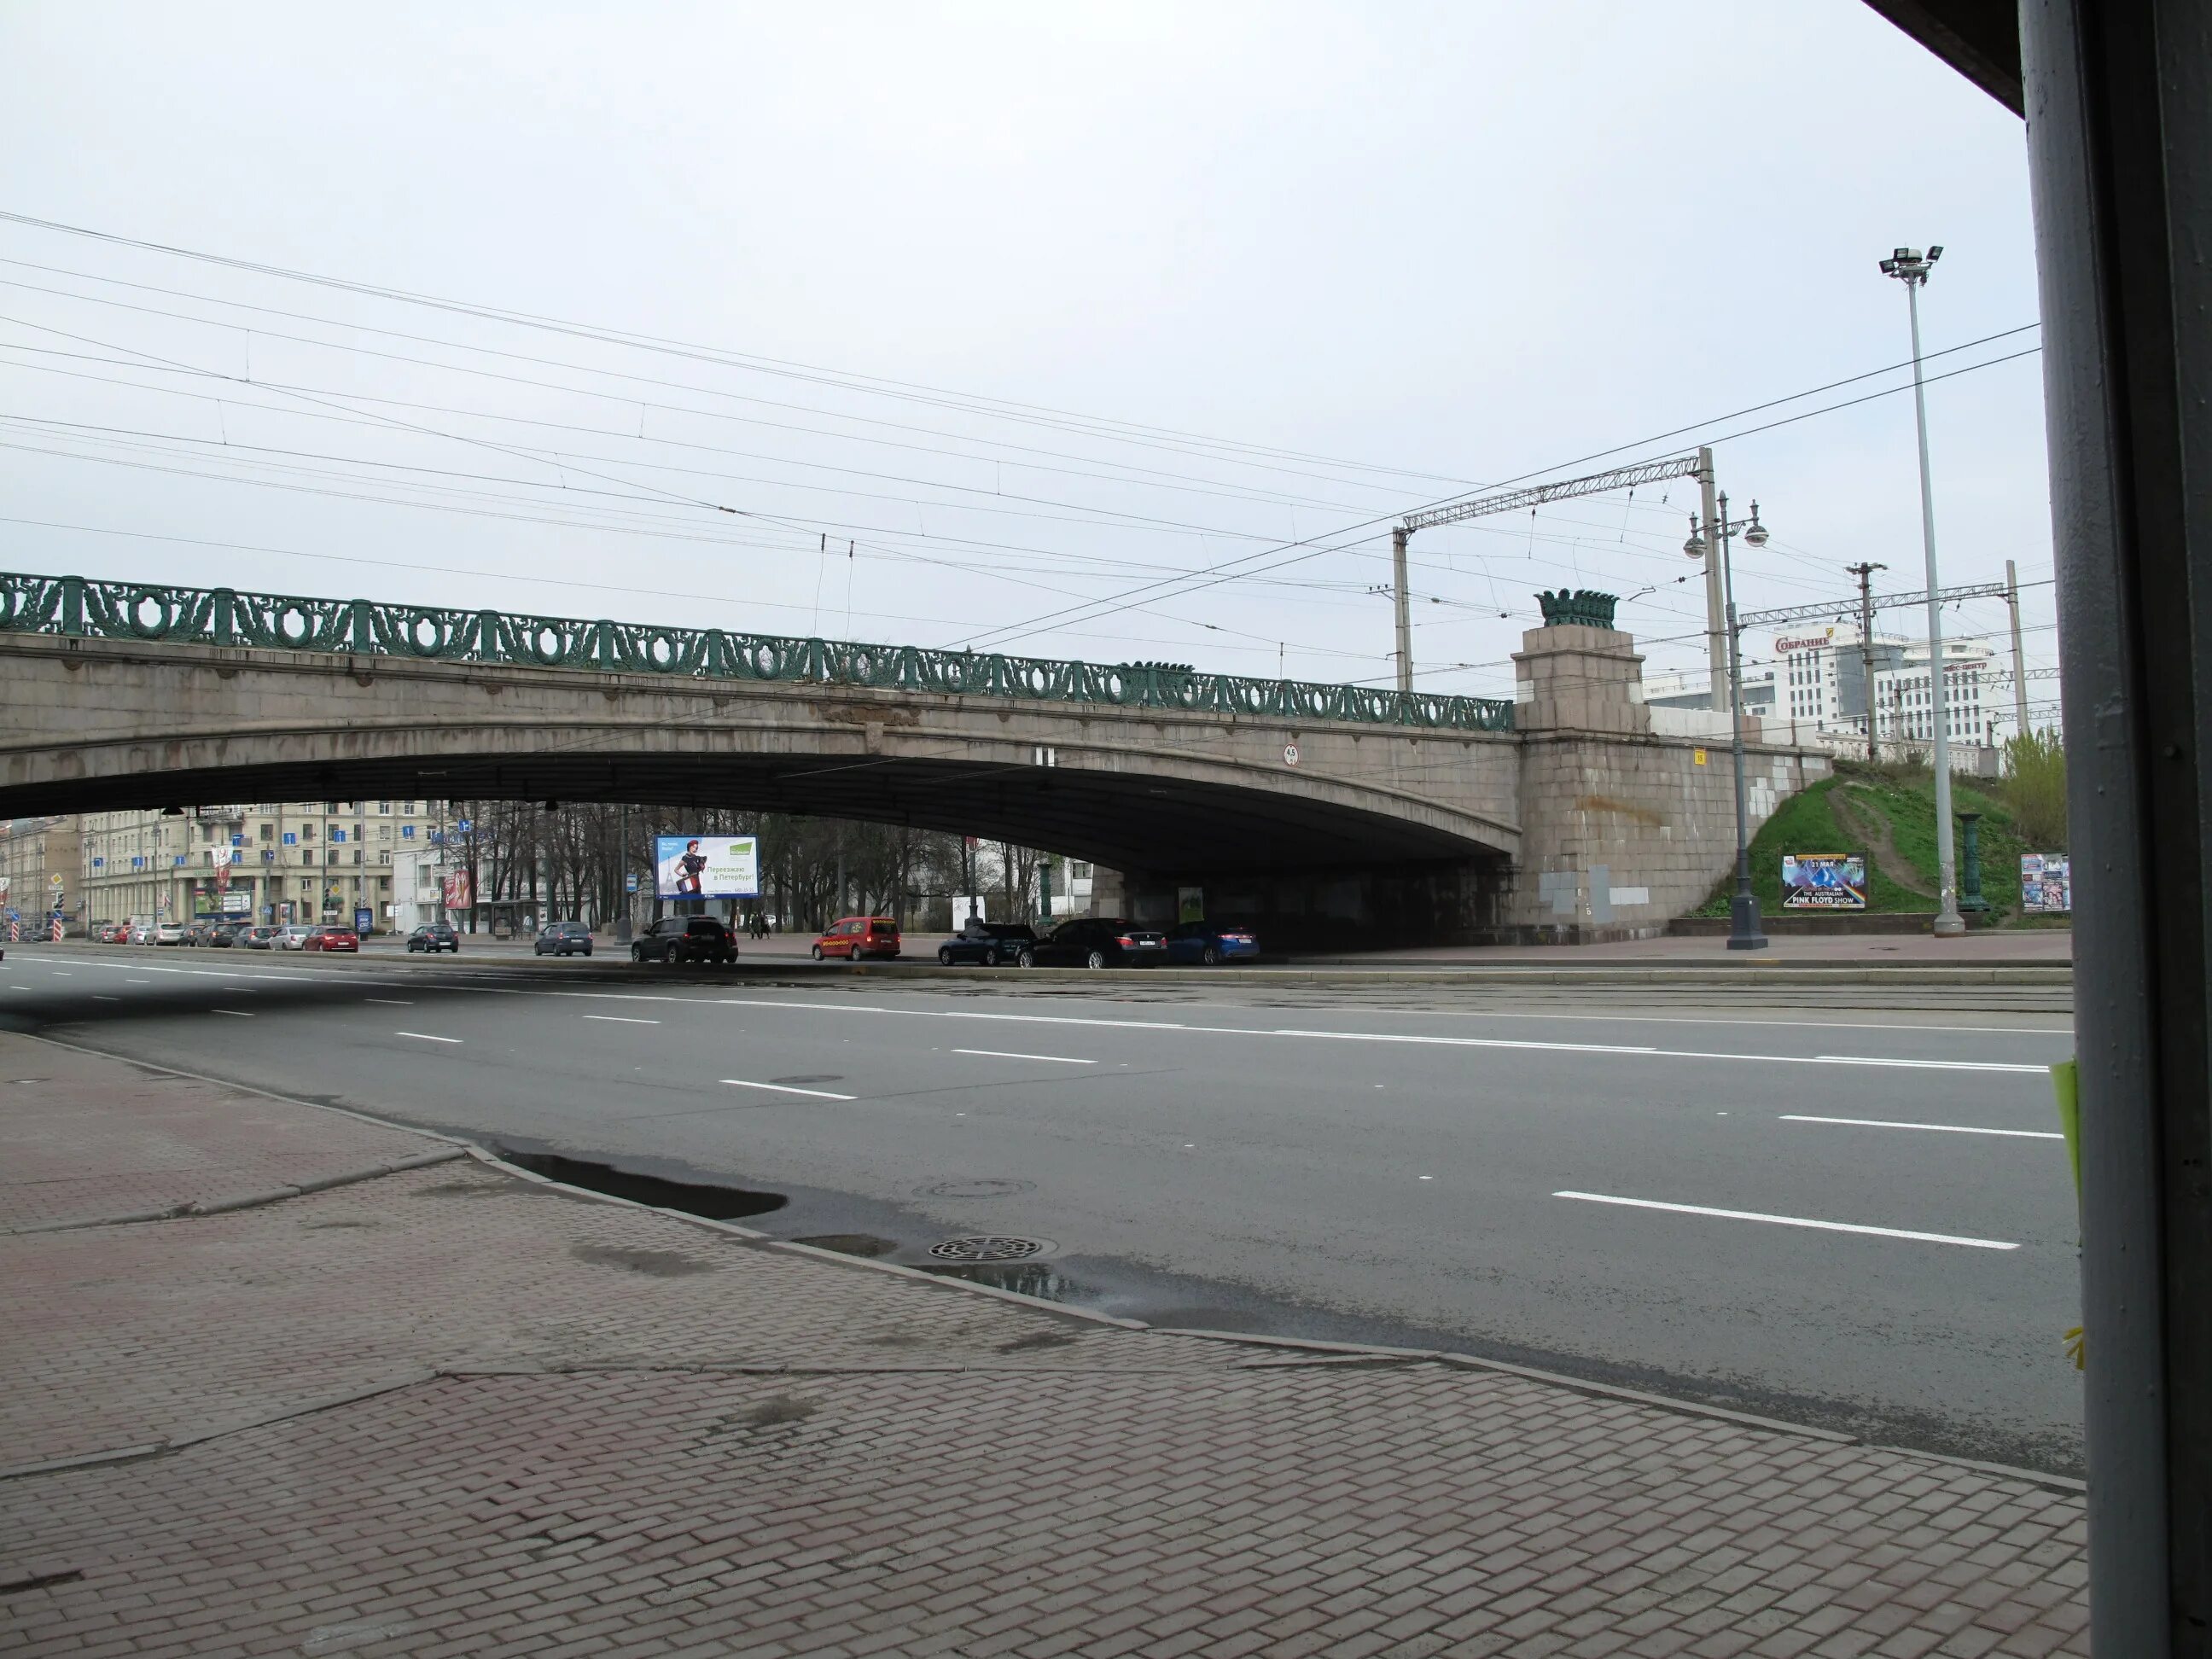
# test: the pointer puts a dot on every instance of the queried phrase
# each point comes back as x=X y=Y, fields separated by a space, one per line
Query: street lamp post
x=1744 y=931
x=1909 y=266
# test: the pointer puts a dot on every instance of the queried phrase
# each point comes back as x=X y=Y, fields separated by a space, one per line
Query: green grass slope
x=1905 y=804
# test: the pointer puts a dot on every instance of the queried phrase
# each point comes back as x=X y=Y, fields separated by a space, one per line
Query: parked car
x=168 y=933
x=103 y=933
x=562 y=938
x=685 y=939
x=197 y=929
x=223 y=935
x=261 y=938
x=987 y=942
x=853 y=937
x=434 y=936
x=294 y=936
x=1211 y=943
x=1097 y=942
x=120 y=932
x=332 y=938
x=143 y=933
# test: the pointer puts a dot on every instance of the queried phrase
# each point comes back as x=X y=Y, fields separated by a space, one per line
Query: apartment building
x=40 y=870
x=311 y=861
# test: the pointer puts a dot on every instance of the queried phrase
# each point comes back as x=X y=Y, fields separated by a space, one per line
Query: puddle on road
x=1033 y=1278
x=859 y=1244
x=715 y=1203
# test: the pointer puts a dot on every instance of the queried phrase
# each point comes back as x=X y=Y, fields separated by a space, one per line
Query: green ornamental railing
x=78 y=607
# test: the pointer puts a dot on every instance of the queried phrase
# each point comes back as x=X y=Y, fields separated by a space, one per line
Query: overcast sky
x=1034 y=306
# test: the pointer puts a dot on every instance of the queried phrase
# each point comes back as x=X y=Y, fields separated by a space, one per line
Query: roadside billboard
x=706 y=866
x=454 y=891
x=1824 y=881
x=2046 y=884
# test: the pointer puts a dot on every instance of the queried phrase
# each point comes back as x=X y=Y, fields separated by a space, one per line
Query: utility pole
x=1865 y=573
x=1400 y=603
x=1717 y=636
x=1909 y=267
x=2019 y=659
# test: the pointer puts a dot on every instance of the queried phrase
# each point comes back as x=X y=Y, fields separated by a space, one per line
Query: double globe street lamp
x=1744 y=934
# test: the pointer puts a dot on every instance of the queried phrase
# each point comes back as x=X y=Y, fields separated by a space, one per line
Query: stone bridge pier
x=1626 y=814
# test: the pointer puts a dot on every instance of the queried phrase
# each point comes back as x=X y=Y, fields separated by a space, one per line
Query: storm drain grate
x=990 y=1247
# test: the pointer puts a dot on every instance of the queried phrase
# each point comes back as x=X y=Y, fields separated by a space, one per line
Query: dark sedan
x=989 y=942
x=1097 y=942
x=1211 y=943
x=433 y=937
x=685 y=939
x=562 y=938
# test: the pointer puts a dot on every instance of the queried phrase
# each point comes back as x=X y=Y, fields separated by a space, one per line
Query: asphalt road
x=1853 y=1217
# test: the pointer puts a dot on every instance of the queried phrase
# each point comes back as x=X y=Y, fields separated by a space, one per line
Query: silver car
x=294 y=938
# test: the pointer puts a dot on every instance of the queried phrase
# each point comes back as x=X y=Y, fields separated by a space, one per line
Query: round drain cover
x=991 y=1248
x=985 y=1188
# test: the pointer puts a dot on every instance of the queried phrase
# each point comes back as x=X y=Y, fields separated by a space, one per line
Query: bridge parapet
x=81 y=607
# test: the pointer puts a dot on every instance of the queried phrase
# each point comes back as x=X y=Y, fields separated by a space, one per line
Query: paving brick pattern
x=88 y=1137
x=122 y=1335
x=934 y=1472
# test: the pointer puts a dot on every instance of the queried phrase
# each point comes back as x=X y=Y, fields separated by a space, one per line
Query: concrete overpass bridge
x=1339 y=812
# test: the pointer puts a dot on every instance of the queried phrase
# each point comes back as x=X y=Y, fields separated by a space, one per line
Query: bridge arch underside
x=1312 y=862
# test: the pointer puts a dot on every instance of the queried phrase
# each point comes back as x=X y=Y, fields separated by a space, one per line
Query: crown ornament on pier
x=1585 y=607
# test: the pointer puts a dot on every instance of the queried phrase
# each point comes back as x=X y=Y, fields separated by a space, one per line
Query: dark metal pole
x=2119 y=142
x=1744 y=933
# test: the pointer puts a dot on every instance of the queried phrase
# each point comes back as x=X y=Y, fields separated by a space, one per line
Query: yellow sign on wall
x=1697 y=756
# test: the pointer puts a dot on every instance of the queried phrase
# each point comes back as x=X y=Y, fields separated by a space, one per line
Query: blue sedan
x=1211 y=943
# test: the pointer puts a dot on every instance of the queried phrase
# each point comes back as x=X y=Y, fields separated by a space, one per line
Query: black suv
x=987 y=942
x=1097 y=942
x=685 y=939
x=559 y=939
x=434 y=936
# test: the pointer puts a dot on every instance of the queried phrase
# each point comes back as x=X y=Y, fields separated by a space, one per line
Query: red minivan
x=855 y=937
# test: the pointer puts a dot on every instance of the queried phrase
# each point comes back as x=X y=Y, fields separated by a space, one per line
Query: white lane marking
x=1928 y=1065
x=424 y=1037
x=235 y=1013
x=1940 y=1128
x=1792 y=1221
x=390 y=1002
x=137 y=982
x=1794 y=1024
x=786 y=1089
x=623 y=1019
x=1384 y=1036
x=1465 y=1043
x=56 y=973
x=1002 y=1053
x=96 y=997
x=211 y=972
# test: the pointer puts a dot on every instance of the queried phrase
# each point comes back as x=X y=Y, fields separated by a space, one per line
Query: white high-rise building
x=1824 y=683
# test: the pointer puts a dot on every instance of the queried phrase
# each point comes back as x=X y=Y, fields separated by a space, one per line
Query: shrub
x=2035 y=789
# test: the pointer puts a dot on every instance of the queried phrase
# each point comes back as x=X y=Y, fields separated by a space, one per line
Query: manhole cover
x=975 y=1188
x=990 y=1247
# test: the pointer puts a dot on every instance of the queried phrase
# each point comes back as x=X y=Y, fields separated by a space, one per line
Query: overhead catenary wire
x=1180 y=580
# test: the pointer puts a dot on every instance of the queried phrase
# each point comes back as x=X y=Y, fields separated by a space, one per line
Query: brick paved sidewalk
x=456 y=1410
